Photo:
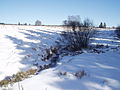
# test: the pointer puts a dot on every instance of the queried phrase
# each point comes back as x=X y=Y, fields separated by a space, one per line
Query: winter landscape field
x=59 y=45
x=21 y=49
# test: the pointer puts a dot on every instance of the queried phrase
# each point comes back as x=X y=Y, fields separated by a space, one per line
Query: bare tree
x=25 y=24
x=104 y=25
x=38 y=23
x=87 y=23
x=76 y=34
x=101 y=25
x=18 y=23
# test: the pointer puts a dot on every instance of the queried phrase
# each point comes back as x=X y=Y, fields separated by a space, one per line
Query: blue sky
x=55 y=11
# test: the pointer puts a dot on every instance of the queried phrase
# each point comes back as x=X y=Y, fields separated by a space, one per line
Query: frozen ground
x=20 y=47
x=103 y=73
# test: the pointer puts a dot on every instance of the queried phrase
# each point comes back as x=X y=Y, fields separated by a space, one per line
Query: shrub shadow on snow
x=69 y=85
x=102 y=72
x=32 y=45
x=106 y=37
x=80 y=85
x=102 y=69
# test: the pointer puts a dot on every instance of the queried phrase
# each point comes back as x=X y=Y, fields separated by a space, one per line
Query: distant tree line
x=2 y=23
x=37 y=23
x=22 y=24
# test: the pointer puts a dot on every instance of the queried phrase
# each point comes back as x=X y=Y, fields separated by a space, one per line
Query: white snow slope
x=102 y=70
x=20 y=47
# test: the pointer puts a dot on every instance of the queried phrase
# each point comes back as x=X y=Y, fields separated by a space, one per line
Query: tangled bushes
x=77 y=34
x=49 y=53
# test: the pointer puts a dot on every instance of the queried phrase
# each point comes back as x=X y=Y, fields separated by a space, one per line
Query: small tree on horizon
x=18 y=23
x=38 y=23
x=101 y=25
x=104 y=25
x=25 y=24
x=87 y=23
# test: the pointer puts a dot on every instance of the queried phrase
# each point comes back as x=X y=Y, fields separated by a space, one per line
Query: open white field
x=21 y=46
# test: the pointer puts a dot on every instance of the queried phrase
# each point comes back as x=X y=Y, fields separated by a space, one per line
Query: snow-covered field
x=20 y=48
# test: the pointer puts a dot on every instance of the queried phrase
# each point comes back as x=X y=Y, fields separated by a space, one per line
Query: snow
x=20 y=46
x=102 y=74
x=102 y=69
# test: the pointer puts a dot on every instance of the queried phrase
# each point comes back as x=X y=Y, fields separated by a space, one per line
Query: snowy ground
x=20 y=47
x=102 y=70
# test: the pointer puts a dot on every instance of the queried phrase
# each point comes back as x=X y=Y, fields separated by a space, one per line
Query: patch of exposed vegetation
x=9 y=80
x=17 y=77
x=78 y=74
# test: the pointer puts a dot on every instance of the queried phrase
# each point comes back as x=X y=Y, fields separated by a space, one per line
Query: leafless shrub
x=80 y=74
x=62 y=73
x=97 y=51
x=38 y=23
x=76 y=34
